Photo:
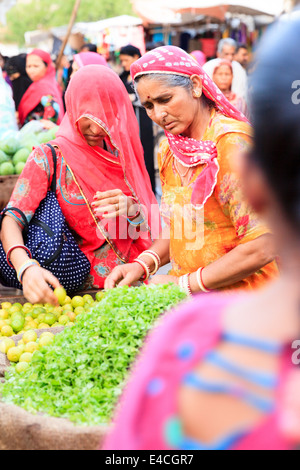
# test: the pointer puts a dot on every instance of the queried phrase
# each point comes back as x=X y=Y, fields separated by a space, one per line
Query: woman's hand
x=124 y=275
x=163 y=279
x=36 y=288
x=112 y=204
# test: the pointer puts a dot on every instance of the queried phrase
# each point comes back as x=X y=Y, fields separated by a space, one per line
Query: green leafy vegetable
x=81 y=374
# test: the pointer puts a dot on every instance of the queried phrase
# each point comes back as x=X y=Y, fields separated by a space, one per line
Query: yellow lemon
x=29 y=336
x=14 y=353
x=2 y=323
x=77 y=301
x=61 y=294
x=79 y=310
x=7 y=330
x=31 y=347
x=4 y=314
x=6 y=305
x=6 y=344
x=68 y=300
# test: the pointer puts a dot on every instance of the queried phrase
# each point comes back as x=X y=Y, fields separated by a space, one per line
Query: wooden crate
x=7 y=184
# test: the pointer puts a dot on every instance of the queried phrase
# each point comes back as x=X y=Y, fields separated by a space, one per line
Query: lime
x=47 y=333
x=61 y=294
x=31 y=347
x=68 y=300
x=29 y=336
x=7 y=330
x=6 y=305
x=43 y=326
x=45 y=341
x=21 y=367
x=88 y=299
x=7 y=168
x=37 y=311
x=77 y=301
x=25 y=357
x=14 y=353
x=6 y=344
x=17 y=324
x=63 y=319
x=99 y=296
x=50 y=319
x=79 y=310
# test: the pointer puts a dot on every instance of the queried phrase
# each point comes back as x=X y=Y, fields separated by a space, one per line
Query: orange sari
x=199 y=237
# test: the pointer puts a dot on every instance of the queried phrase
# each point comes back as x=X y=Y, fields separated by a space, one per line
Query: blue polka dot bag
x=51 y=243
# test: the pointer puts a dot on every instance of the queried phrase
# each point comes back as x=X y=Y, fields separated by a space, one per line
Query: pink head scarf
x=199 y=56
x=89 y=58
x=190 y=152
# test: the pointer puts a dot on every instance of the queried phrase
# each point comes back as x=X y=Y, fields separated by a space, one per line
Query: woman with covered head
x=218 y=373
x=212 y=238
x=102 y=184
x=43 y=99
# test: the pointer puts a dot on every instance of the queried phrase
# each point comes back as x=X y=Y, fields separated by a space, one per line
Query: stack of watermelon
x=16 y=147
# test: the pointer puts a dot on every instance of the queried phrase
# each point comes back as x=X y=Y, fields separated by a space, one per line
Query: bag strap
x=53 y=183
x=52 y=187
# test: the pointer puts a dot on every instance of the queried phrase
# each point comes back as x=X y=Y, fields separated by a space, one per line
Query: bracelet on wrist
x=200 y=281
x=184 y=283
x=23 y=247
x=132 y=217
x=24 y=266
x=154 y=259
x=145 y=268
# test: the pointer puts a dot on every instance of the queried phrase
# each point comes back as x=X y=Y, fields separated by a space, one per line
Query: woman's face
x=35 y=67
x=223 y=77
x=127 y=60
x=92 y=132
x=172 y=108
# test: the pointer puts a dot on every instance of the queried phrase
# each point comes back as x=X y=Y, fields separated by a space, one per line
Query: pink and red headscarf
x=190 y=152
x=43 y=87
x=90 y=58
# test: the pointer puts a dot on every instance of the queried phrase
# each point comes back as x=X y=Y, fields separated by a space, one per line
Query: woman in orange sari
x=212 y=238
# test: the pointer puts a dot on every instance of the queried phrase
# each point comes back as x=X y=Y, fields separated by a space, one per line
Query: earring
x=197 y=94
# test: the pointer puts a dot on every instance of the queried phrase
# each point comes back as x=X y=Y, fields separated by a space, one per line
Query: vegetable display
x=81 y=374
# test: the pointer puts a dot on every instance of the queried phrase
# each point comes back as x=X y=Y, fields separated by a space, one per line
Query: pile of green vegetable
x=16 y=147
x=81 y=374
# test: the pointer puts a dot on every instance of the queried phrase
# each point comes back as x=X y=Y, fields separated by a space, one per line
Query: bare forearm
x=238 y=264
x=11 y=235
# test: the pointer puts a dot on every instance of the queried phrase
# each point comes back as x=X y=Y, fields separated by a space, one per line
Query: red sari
x=43 y=87
x=83 y=170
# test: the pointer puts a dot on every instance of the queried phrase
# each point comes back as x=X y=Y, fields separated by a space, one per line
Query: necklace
x=182 y=175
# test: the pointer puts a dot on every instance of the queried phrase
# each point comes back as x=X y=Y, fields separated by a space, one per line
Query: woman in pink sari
x=43 y=99
x=212 y=375
x=102 y=184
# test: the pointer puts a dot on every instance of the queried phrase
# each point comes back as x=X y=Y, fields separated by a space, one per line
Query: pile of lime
x=21 y=353
x=15 y=151
x=16 y=319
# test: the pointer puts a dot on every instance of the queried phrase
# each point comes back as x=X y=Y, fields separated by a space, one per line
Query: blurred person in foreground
x=199 y=56
x=128 y=55
x=226 y=50
x=43 y=98
x=215 y=373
